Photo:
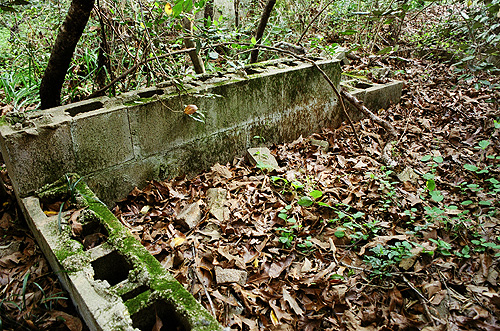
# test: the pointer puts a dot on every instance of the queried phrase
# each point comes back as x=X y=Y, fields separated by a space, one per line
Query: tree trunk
x=262 y=26
x=199 y=66
x=62 y=52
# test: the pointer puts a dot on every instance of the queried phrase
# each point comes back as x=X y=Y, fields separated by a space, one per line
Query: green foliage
x=385 y=258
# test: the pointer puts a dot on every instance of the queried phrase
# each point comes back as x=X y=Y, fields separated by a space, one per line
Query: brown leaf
x=190 y=109
x=158 y=324
x=277 y=267
x=291 y=301
x=73 y=323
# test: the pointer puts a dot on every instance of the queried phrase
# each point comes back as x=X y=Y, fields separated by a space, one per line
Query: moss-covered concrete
x=144 y=273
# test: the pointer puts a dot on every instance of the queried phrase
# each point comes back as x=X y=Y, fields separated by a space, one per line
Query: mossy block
x=139 y=270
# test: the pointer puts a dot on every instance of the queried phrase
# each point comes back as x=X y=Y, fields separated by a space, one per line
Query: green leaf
x=253 y=41
x=484 y=144
x=177 y=10
x=315 y=194
x=305 y=202
x=385 y=50
x=438 y=159
x=426 y=158
x=467 y=202
x=431 y=185
x=470 y=167
x=339 y=233
x=436 y=196
x=359 y=214
x=485 y=202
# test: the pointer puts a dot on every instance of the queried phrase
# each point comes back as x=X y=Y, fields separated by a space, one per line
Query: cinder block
x=117 y=285
x=37 y=155
x=101 y=139
x=381 y=96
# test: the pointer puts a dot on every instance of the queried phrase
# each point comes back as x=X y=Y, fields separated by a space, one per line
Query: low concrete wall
x=123 y=142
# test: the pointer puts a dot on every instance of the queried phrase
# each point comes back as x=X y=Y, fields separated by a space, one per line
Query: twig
x=134 y=68
x=423 y=301
x=386 y=159
x=201 y=281
x=312 y=21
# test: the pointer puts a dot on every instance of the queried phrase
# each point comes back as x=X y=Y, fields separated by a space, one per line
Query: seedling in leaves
x=464 y=253
x=386 y=187
x=287 y=234
x=430 y=177
x=307 y=201
x=482 y=245
x=307 y=244
x=385 y=258
x=287 y=186
x=442 y=246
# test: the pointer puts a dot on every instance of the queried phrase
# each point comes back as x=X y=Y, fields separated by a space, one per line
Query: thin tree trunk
x=262 y=26
x=62 y=52
x=199 y=66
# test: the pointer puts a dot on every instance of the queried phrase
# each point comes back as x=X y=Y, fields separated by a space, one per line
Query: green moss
x=163 y=285
x=137 y=303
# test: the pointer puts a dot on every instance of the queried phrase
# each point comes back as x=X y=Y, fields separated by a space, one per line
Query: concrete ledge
x=117 y=285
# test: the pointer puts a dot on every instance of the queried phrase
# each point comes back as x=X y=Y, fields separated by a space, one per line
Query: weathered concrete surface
x=115 y=284
x=121 y=143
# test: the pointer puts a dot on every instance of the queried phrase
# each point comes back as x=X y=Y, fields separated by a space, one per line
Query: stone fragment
x=323 y=145
x=190 y=216
x=262 y=158
x=217 y=203
x=408 y=175
x=226 y=276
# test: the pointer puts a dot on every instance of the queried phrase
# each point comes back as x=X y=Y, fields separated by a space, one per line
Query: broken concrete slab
x=118 y=284
x=262 y=158
x=227 y=276
x=190 y=216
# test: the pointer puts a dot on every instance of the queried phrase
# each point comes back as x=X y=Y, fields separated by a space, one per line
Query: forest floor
x=332 y=240
x=337 y=241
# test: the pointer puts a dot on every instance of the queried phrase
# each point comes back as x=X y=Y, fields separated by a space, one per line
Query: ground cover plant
x=333 y=239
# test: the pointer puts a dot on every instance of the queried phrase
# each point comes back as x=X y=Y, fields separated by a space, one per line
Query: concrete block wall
x=122 y=142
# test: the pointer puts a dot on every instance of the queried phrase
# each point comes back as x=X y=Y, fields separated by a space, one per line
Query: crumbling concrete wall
x=123 y=142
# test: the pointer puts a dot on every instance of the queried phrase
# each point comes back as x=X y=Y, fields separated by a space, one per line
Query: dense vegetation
x=121 y=35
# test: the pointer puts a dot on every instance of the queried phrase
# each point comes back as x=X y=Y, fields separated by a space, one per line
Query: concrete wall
x=123 y=142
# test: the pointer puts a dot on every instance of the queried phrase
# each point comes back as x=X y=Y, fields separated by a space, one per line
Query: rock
x=217 y=203
x=408 y=175
x=226 y=276
x=323 y=145
x=262 y=158
x=190 y=216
